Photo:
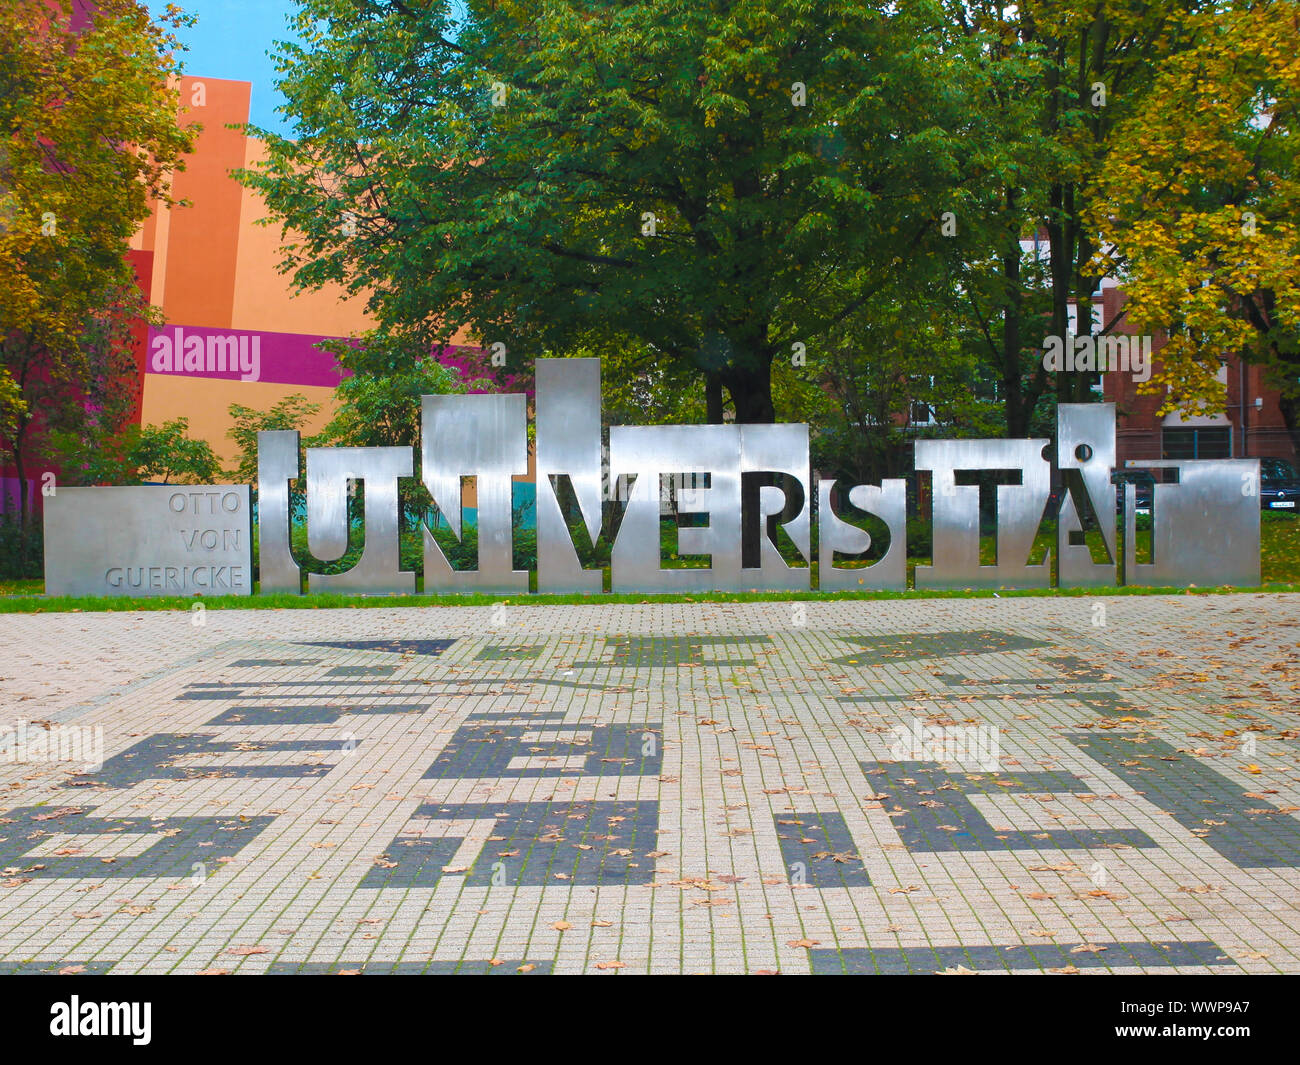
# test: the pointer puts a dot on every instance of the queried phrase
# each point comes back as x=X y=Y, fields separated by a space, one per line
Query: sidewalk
x=923 y=785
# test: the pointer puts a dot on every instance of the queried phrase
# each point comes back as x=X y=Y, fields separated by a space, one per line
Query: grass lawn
x=1279 y=562
x=1279 y=548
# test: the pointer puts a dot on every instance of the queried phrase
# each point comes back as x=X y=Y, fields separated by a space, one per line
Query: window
x=1274 y=471
x=1213 y=443
x=922 y=413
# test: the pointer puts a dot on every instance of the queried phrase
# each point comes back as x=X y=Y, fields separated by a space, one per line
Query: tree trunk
x=751 y=392
x=1061 y=251
x=20 y=469
x=713 y=399
x=1013 y=387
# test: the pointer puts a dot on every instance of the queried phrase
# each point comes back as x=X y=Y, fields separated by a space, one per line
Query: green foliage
x=644 y=174
x=462 y=553
x=167 y=453
x=22 y=551
x=380 y=405
x=638 y=387
x=13 y=407
x=89 y=127
x=291 y=412
x=160 y=453
x=1200 y=206
x=901 y=358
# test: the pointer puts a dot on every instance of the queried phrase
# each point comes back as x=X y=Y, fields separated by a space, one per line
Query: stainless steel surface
x=955 y=510
x=887 y=502
x=567 y=444
x=485 y=437
x=159 y=540
x=649 y=452
x=329 y=470
x=779 y=449
x=277 y=465
x=1085 y=441
x=149 y=541
x=1205 y=528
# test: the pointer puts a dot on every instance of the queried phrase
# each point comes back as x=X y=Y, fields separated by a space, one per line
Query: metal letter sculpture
x=330 y=473
x=1085 y=454
x=888 y=502
x=277 y=465
x=568 y=445
x=649 y=453
x=485 y=437
x=722 y=453
x=1205 y=527
x=1205 y=524
x=779 y=449
x=1018 y=512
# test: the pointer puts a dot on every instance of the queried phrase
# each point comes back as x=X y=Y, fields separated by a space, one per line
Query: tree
x=168 y=454
x=291 y=412
x=89 y=135
x=903 y=358
x=693 y=180
x=1200 y=207
x=385 y=411
x=161 y=453
x=1066 y=74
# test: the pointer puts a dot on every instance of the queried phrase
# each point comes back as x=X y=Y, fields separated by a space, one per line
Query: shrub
x=22 y=552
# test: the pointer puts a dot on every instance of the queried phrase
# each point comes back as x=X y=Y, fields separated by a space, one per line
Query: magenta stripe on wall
x=9 y=494
x=241 y=355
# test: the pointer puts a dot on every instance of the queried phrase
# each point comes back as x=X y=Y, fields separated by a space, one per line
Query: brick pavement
x=656 y=788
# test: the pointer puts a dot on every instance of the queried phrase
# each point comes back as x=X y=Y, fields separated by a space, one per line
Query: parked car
x=1143 y=486
x=1279 y=485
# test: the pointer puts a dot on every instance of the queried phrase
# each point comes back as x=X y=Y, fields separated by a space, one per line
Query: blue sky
x=231 y=40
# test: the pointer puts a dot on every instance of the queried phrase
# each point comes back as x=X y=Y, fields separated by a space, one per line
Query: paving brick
x=692 y=787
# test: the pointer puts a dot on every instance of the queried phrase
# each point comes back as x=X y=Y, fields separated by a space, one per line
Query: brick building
x=1250 y=423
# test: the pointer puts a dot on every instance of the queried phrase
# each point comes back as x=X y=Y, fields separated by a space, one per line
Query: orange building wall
x=214 y=267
